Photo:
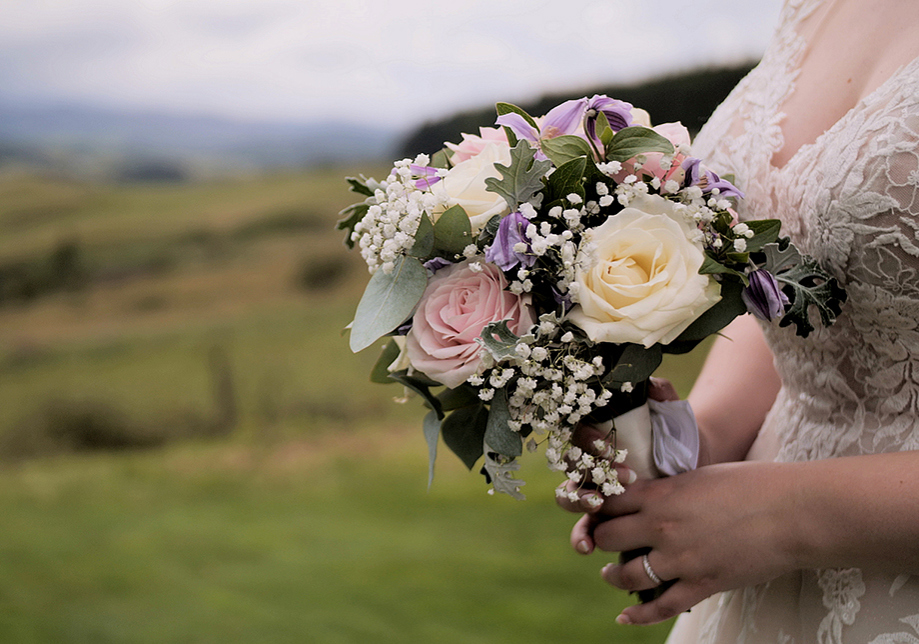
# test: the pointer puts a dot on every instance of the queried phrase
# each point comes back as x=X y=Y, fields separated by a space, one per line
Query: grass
x=311 y=522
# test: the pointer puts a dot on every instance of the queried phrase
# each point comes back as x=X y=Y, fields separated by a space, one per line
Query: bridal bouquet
x=531 y=277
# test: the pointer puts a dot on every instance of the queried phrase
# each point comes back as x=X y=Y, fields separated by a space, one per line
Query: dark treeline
x=689 y=97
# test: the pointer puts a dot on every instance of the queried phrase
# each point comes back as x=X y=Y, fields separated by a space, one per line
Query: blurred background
x=188 y=450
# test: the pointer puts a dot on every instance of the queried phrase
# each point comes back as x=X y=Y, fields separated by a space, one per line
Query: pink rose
x=454 y=309
x=678 y=135
x=473 y=145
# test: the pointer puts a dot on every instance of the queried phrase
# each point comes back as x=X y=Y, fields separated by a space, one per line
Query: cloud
x=395 y=61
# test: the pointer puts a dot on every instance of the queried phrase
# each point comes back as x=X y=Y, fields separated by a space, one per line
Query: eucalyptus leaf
x=424 y=239
x=452 y=231
x=563 y=149
x=498 y=434
x=632 y=141
x=431 y=427
x=380 y=372
x=387 y=302
x=463 y=432
x=522 y=178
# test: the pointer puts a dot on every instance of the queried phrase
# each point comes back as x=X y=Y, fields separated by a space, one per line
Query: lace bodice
x=850 y=199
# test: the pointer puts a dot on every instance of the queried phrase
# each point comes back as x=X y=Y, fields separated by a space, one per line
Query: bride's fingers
x=679 y=598
x=582 y=534
x=588 y=500
x=662 y=390
x=632 y=576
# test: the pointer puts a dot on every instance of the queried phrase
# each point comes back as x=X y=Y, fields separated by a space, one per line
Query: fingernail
x=592 y=501
x=624 y=620
x=631 y=477
x=583 y=547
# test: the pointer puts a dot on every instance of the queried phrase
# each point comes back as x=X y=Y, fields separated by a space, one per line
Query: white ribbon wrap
x=662 y=438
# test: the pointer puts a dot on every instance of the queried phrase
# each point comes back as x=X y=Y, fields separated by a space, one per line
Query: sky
x=391 y=63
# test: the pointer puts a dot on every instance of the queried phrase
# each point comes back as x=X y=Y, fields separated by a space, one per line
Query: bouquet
x=531 y=277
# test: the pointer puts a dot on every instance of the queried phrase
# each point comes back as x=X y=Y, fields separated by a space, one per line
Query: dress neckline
x=805 y=10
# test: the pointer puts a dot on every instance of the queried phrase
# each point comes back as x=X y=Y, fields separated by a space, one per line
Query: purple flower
x=437 y=263
x=618 y=114
x=698 y=175
x=511 y=232
x=763 y=297
x=428 y=176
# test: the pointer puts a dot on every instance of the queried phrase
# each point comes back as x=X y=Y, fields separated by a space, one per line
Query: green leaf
x=463 y=396
x=463 y=432
x=431 y=427
x=421 y=385
x=508 y=108
x=380 y=372
x=359 y=186
x=440 y=159
x=632 y=141
x=500 y=472
x=780 y=259
x=635 y=364
x=811 y=287
x=563 y=149
x=498 y=435
x=766 y=232
x=351 y=217
x=452 y=231
x=500 y=341
x=567 y=179
x=714 y=267
x=717 y=317
x=424 y=239
x=387 y=302
x=522 y=178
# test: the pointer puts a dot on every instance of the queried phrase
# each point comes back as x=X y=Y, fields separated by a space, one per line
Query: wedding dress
x=850 y=199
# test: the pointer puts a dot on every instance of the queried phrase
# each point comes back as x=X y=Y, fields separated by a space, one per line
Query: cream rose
x=457 y=304
x=464 y=184
x=642 y=282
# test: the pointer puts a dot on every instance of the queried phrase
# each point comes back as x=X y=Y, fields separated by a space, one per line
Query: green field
x=190 y=453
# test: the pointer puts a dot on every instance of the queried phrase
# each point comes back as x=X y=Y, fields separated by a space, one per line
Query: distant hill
x=689 y=97
x=162 y=145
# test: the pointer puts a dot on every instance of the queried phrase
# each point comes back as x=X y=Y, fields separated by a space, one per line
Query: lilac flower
x=697 y=174
x=562 y=119
x=618 y=114
x=511 y=232
x=437 y=263
x=763 y=297
x=428 y=176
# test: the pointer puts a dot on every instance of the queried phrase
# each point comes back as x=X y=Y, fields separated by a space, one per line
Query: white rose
x=464 y=184
x=642 y=282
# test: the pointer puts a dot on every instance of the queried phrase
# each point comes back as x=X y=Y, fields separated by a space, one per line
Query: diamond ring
x=650 y=572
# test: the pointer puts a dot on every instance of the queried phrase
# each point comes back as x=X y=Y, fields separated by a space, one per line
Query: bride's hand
x=712 y=529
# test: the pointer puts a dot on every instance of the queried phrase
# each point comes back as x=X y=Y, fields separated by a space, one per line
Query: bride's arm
x=734 y=391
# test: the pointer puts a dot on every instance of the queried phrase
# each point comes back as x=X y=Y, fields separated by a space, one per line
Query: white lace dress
x=851 y=199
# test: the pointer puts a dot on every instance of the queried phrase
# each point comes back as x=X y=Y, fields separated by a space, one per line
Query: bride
x=802 y=523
